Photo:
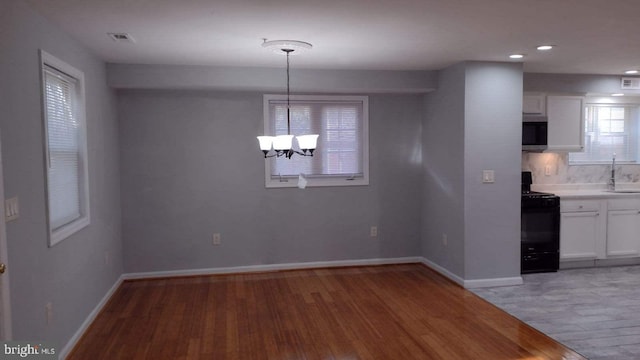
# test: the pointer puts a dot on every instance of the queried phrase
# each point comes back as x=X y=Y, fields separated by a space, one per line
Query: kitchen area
x=580 y=216
x=584 y=150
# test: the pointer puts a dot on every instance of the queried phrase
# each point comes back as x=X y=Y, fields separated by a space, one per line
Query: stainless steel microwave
x=534 y=133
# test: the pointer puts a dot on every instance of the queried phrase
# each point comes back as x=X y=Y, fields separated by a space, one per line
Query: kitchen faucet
x=611 y=185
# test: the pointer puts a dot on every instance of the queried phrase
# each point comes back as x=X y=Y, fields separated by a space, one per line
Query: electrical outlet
x=216 y=239
x=374 y=231
x=48 y=311
x=445 y=239
x=547 y=170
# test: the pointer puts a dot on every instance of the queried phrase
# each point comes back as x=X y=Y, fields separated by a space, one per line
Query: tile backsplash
x=560 y=172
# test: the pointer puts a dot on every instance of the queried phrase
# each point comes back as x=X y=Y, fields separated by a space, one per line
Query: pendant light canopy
x=282 y=145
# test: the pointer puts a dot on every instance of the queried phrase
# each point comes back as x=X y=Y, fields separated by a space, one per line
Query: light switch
x=11 y=209
x=488 y=176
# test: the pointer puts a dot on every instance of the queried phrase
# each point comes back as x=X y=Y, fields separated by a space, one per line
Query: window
x=609 y=128
x=65 y=148
x=342 y=154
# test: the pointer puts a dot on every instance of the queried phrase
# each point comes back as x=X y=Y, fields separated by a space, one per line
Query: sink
x=625 y=191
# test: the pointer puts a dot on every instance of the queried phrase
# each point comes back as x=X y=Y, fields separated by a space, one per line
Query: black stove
x=540 y=229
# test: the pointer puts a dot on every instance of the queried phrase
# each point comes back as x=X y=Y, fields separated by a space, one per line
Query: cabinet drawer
x=623 y=204
x=579 y=205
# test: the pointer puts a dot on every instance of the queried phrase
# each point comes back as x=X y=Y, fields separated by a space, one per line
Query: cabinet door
x=622 y=233
x=579 y=234
x=566 y=123
x=533 y=104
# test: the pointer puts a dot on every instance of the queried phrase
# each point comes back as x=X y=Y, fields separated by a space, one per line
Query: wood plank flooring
x=383 y=312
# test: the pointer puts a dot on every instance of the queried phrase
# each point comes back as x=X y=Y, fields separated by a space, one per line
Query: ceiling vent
x=629 y=83
x=121 y=37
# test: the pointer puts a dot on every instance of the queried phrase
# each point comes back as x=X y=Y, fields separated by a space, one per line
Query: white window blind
x=341 y=156
x=609 y=129
x=64 y=157
x=65 y=150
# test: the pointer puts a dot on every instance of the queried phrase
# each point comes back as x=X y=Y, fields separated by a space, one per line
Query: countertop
x=593 y=191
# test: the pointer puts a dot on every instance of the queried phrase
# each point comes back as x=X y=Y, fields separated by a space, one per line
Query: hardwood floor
x=383 y=312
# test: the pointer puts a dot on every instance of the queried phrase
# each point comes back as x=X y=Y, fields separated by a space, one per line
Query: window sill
x=292 y=182
x=65 y=231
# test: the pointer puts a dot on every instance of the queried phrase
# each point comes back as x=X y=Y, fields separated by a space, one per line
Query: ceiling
x=591 y=36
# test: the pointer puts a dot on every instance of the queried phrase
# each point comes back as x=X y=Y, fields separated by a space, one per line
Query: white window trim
x=627 y=101
x=63 y=232
x=320 y=181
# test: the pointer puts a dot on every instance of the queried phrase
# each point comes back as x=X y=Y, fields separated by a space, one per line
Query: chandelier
x=282 y=145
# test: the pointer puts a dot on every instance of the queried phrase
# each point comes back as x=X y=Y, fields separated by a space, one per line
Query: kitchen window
x=342 y=154
x=609 y=129
x=65 y=148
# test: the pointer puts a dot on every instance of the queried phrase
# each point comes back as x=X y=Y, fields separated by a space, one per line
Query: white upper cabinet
x=533 y=104
x=566 y=122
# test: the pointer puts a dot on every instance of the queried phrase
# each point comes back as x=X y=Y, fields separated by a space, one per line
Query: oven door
x=540 y=229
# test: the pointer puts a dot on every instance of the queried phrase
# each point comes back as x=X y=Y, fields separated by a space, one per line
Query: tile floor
x=595 y=311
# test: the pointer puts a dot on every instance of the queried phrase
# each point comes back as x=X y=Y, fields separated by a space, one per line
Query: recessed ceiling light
x=617 y=94
x=516 y=56
x=545 y=47
x=631 y=72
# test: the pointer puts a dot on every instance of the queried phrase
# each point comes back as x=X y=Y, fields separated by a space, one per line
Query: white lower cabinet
x=579 y=232
x=599 y=229
x=623 y=228
x=581 y=229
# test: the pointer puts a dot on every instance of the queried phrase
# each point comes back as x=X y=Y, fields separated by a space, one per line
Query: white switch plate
x=374 y=231
x=216 y=239
x=488 y=176
x=11 y=209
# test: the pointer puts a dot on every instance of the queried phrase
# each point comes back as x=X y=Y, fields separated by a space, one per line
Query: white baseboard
x=493 y=282
x=473 y=284
x=87 y=322
x=271 y=267
x=446 y=273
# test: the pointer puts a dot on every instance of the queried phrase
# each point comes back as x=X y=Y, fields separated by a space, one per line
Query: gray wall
x=191 y=166
x=72 y=275
x=493 y=128
x=162 y=77
x=443 y=166
x=473 y=123
x=575 y=83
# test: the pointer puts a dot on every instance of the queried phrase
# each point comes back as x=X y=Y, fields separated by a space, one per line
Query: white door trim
x=5 y=303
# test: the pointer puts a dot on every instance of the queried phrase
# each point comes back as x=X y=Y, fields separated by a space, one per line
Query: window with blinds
x=341 y=157
x=609 y=129
x=65 y=148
